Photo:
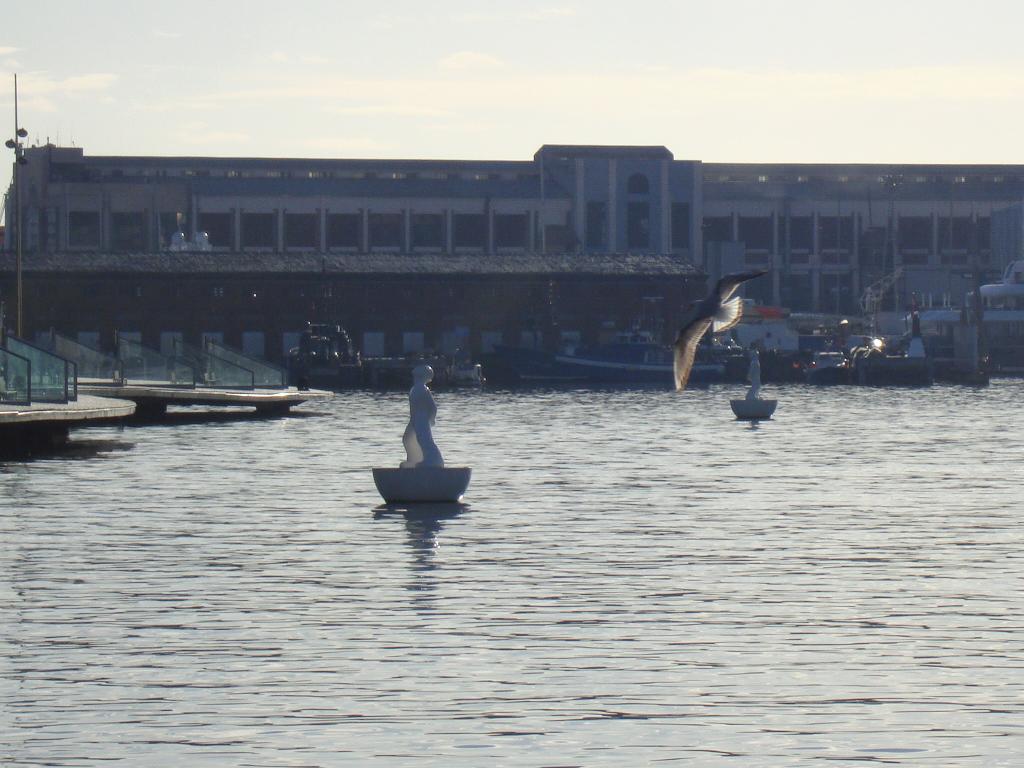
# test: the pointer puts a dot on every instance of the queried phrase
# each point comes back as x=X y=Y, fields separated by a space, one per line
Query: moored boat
x=632 y=357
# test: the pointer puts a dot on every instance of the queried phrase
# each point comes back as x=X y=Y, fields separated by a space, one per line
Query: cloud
x=550 y=13
x=388 y=110
x=34 y=84
x=7 y=50
x=343 y=144
x=200 y=134
x=469 y=60
x=279 y=56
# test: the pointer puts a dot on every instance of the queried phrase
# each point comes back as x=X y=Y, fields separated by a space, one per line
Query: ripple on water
x=636 y=577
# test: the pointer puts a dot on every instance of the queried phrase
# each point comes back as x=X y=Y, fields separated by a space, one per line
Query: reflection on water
x=640 y=579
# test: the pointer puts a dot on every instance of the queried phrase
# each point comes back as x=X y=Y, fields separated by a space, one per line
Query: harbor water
x=635 y=579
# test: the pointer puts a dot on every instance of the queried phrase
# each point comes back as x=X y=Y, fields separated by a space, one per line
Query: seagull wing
x=730 y=313
x=686 y=349
x=728 y=284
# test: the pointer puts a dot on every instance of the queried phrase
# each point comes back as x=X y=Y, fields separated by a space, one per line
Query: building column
x=490 y=227
x=321 y=216
x=776 y=277
x=579 y=205
x=280 y=230
x=666 y=211
x=236 y=216
x=814 y=264
x=406 y=230
x=65 y=240
x=613 y=206
x=855 y=257
x=449 y=240
x=933 y=254
x=364 y=234
x=104 y=223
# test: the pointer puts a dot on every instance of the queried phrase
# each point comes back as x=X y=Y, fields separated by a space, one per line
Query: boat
x=880 y=364
x=1003 y=321
x=828 y=367
x=324 y=359
x=631 y=357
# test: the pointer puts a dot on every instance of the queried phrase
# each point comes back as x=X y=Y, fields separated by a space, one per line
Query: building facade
x=629 y=216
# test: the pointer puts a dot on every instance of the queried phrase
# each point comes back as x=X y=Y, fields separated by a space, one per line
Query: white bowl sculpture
x=422 y=477
x=752 y=407
x=753 y=410
x=421 y=484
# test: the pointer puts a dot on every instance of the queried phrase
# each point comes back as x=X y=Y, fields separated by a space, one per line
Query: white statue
x=420 y=449
x=754 y=375
x=752 y=407
x=422 y=477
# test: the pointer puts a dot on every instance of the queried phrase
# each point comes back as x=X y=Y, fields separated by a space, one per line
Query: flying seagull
x=720 y=311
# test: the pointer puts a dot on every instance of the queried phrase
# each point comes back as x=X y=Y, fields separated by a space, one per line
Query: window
x=427 y=230
x=128 y=231
x=169 y=224
x=638 y=225
x=385 y=230
x=638 y=184
x=219 y=227
x=597 y=225
x=258 y=230
x=717 y=229
x=84 y=229
x=469 y=230
x=915 y=233
x=344 y=230
x=680 y=225
x=301 y=230
x=510 y=230
x=835 y=233
x=756 y=232
x=801 y=233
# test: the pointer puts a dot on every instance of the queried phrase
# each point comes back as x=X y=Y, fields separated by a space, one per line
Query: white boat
x=1002 y=321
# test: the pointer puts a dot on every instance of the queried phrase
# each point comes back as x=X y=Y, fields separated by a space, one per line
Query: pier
x=152 y=400
x=25 y=429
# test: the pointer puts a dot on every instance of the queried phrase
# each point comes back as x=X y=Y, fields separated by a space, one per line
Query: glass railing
x=264 y=374
x=52 y=379
x=15 y=379
x=141 y=365
x=213 y=370
x=91 y=363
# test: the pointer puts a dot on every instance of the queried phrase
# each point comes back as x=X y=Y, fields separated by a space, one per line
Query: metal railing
x=91 y=363
x=52 y=379
x=15 y=379
x=213 y=370
x=147 y=366
x=264 y=374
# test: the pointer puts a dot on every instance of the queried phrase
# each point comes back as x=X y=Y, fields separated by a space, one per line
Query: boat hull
x=514 y=365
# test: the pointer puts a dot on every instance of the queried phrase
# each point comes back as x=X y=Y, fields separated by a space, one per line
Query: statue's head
x=422 y=374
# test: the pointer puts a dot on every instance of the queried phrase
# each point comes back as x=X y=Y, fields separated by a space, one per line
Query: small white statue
x=420 y=449
x=422 y=477
x=754 y=375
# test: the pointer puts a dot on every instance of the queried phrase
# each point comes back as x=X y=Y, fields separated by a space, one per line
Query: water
x=637 y=579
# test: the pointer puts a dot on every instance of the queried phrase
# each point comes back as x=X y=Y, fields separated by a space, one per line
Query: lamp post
x=19 y=160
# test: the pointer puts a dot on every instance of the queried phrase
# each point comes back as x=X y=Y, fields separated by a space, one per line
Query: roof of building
x=604 y=151
x=194 y=263
x=527 y=188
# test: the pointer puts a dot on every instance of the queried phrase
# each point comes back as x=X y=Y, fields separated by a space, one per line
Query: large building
x=627 y=231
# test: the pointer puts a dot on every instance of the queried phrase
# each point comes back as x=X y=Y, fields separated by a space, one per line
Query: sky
x=718 y=81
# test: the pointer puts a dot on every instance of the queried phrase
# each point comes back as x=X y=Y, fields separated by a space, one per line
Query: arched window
x=638 y=184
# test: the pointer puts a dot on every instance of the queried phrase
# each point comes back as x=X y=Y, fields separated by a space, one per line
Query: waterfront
x=636 y=578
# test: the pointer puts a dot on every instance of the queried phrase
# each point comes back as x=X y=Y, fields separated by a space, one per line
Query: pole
x=17 y=215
